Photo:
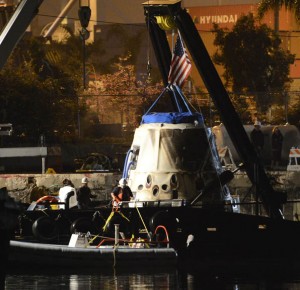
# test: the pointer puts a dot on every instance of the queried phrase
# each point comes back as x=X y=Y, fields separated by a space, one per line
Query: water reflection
x=95 y=281
x=152 y=279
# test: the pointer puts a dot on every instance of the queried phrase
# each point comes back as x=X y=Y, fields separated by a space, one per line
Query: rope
x=149 y=67
x=91 y=240
x=131 y=241
x=210 y=139
x=123 y=216
x=44 y=212
x=166 y=240
x=110 y=217
x=142 y=221
x=108 y=220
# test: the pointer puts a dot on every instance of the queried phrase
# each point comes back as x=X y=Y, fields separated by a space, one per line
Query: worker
x=257 y=138
x=84 y=195
x=67 y=194
x=121 y=192
x=277 y=140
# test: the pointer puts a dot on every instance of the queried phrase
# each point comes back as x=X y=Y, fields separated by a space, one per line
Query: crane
x=172 y=11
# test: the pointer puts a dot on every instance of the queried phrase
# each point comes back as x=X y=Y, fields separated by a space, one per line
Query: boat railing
x=160 y=238
x=42 y=205
x=156 y=203
x=291 y=209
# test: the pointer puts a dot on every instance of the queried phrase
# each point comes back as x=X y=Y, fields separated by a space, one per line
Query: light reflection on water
x=154 y=279
x=94 y=281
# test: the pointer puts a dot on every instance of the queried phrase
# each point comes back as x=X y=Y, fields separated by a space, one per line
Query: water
x=137 y=279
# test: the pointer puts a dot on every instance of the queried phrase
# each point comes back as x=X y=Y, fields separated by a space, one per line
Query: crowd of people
x=70 y=197
x=81 y=198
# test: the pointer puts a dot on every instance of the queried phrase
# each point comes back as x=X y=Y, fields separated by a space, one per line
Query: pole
x=83 y=80
x=16 y=27
x=78 y=117
x=43 y=165
x=117 y=228
x=59 y=19
x=83 y=63
x=84 y=14
x=286 y=107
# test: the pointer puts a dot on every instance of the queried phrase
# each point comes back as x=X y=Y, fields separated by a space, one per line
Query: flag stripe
x=180 y=67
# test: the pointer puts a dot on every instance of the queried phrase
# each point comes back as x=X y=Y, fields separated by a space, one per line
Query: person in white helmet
x=84 y=195
x=120 y=193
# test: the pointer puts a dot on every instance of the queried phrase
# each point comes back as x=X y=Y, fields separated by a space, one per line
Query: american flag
x=180 y=64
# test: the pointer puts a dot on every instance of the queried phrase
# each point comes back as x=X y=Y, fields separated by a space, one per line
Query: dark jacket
x=257 y=138
x=123 y=194
x=84 y=196
x=277 y=140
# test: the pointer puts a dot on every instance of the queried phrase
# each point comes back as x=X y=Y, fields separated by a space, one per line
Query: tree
x=42 y=81
x=37 y=97
x=266 y=5
x=123 y=98
x=253 y=60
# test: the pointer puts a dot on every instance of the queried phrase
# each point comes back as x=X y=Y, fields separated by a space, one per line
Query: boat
x=180 y=187
x=87 y=257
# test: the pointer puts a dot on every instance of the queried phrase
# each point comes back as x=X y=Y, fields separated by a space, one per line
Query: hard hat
x=122 y=182
x=84 y=180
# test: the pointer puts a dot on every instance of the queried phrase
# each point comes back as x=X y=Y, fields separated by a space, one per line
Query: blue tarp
x=173 y=118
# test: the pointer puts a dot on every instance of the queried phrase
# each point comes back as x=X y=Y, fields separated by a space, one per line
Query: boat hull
x=193 y=232
x=23 y=254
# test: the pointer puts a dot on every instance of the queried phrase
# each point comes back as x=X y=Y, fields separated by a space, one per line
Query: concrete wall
x=18 y=186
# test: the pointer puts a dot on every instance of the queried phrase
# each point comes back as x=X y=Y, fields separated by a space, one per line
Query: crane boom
x=16 y=27
x=271 y=199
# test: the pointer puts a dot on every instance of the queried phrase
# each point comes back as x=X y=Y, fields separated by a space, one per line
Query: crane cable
x=149 y=67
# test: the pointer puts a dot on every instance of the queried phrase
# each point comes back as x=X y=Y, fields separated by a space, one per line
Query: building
x=53 y=15
x=227 y=15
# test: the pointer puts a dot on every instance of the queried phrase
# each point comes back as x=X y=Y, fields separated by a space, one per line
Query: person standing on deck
x=120 y=193
x=84 y=195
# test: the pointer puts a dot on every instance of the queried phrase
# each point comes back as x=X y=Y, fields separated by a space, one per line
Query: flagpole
x=180 y=64
x=173 y=34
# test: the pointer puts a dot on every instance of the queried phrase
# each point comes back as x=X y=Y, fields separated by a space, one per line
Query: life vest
x=120 y=197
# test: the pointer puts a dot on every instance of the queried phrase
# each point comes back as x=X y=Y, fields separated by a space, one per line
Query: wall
x=18 y=184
